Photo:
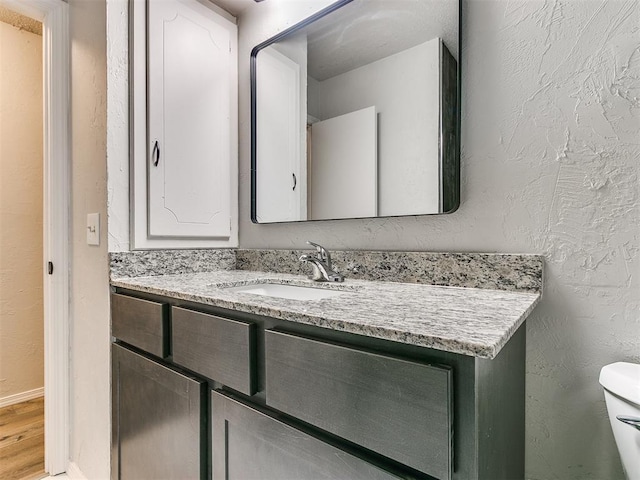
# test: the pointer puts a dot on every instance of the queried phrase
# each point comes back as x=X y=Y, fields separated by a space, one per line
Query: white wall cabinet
x=184 y=139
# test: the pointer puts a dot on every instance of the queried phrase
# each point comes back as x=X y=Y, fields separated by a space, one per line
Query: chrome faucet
x=322 y=267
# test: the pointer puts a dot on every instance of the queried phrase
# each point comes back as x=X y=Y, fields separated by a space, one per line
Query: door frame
x=54 y=15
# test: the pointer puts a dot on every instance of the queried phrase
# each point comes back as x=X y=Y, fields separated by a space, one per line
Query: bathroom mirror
x=355 y=113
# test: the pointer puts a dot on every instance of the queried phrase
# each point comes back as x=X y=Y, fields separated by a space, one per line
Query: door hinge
x=50 y=268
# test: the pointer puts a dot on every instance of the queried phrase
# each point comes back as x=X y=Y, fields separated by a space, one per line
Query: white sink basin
x=293 y=292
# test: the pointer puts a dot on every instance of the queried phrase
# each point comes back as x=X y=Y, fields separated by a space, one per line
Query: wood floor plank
x=19 y=417
x=22 y=459
x=27 y=432
x=25 y=425
x=37 y=476
x=22 y=440
x=37 y=404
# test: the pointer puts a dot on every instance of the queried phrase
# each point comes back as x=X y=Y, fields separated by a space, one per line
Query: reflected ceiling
x=370 y=30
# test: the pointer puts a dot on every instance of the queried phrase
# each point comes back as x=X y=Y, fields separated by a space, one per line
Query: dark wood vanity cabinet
x=253 y=443
x=159 y=420
x=246 y=397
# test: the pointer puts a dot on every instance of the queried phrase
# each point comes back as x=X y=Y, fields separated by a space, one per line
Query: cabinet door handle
x=155 y=154
x=295 y=181
x=633 y=421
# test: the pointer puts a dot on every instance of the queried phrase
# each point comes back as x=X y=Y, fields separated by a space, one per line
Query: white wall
x=118 y=125
x=90 y=334
x=550 y=165
x=21 y=254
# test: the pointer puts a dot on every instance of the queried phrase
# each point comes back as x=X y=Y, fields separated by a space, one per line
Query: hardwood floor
x=22 y=440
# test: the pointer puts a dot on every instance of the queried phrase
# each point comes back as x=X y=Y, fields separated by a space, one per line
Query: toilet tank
x=621 y=382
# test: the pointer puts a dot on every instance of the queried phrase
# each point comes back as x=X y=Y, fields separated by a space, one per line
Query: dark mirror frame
x=450 y=146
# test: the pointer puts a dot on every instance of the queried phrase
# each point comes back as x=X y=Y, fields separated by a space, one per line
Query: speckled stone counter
x=476 y=270
x=469 y=321
x=168 y=262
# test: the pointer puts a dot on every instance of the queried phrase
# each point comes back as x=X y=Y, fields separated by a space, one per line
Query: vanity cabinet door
x=399 y=408
x=191 y=79
x=158 y=421
x=251 y=444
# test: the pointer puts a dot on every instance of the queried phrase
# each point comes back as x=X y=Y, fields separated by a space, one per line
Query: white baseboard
x=74 y=473
x=21 y=397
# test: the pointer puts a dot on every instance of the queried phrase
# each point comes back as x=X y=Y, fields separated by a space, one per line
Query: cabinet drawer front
x=218 y=348
x=159 y=420
x=399 y=408
x=250 y=444
x=141 y=323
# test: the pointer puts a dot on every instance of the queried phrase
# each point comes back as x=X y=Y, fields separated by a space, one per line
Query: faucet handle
x=323 y=253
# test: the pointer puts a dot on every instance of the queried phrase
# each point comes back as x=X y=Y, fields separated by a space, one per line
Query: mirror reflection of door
x=310 y=122
x=280 y=191
x=344 y=172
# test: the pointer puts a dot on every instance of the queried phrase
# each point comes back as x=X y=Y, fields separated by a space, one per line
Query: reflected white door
x=344 y=170
x=280 y=188
x=189 y=105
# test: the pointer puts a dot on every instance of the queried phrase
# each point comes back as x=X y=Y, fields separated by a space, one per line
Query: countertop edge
x=438 y=342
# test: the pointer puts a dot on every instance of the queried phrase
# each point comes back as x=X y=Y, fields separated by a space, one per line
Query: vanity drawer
x=399 y=408
x=141 y=323
x=217 y=348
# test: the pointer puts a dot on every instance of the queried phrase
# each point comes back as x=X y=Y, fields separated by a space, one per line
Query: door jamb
x=54 y=15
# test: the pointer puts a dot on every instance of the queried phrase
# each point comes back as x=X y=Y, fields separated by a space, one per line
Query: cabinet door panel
x=249 y=444
x=399 y=408
x=159 y=429
x=189 y=108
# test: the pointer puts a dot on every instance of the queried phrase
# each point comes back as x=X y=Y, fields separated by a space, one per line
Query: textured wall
x=90 y=334
x=21 y=310
x=118 y=125
x=20 y=21
x=550 y=165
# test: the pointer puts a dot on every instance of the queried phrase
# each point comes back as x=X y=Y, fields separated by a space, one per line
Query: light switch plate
x=93 y=229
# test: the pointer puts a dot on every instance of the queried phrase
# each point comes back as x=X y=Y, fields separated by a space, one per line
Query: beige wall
x=21 y=260
x=90 y=338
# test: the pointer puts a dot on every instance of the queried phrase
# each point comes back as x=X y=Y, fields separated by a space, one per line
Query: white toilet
x=621 y=382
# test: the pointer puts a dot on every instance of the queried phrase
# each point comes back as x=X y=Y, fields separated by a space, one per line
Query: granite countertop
x=469 y=321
